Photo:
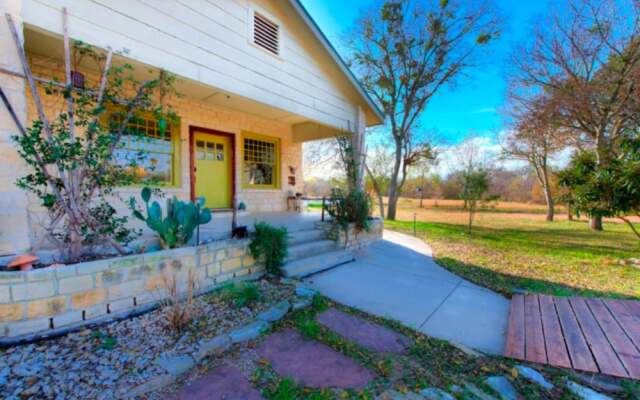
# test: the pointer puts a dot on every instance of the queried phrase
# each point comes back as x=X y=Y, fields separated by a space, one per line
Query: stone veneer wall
x=355 y=239
x=52 y=299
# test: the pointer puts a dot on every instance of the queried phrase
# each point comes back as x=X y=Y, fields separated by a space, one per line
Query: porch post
x=14 y=229
x=359 y=146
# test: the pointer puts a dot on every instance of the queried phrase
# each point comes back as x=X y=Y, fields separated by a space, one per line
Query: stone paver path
x=223 y=383
x=366 y=334
x=397 y=278
x=311 y=363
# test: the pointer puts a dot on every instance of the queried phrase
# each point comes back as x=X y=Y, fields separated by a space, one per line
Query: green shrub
x=354 y=208
x=240 y=294
x=269 y=245
x=176 y=229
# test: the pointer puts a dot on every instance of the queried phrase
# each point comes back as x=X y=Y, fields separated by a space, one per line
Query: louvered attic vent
x=266 y=33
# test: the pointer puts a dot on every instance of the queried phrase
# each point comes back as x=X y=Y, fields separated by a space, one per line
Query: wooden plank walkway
x=592 y=335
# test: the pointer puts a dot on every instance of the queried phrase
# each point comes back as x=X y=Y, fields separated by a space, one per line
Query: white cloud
x=484 y=110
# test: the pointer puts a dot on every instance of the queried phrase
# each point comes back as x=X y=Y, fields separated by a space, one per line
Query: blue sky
x=471 y=107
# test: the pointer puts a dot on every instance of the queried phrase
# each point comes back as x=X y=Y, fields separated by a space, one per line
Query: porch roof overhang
x=48 y=44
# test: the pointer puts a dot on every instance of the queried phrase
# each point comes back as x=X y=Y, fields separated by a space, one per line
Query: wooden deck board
x=578 y=349
x=627 y=320
x=606 y=358
x=515 y=341
x=593 y=335
x=629 y=355
x=553 y=338
x=533 y=333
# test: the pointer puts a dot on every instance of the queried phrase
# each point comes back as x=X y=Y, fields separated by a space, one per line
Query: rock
x=600 y=382
x=436 y=394
x=503 y=387
x=476 y=392
x=276 y=312
x=585 y=393
x=395 y=395
x=466 y=350
x=248 y=332
x=534 y=376
x=216 y=345
x=302 y=303
x=176 y=365
x=149 y=386
x=456 y=389
x=305 y=292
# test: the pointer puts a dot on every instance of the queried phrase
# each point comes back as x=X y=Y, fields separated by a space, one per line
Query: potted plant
x=237 y=232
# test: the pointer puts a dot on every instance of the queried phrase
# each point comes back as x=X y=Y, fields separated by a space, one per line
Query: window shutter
x=266 y=33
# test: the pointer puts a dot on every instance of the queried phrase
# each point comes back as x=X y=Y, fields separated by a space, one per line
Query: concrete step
x=311 y=265
x=305 y=236
x=308 y=249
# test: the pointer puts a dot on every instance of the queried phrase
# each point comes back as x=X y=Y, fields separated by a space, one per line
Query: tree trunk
x=595 y=222
x=392 y=206
x=393 y=185
x=471 y=211
x=569 y=212
x=548 y=198
x=376 y=188
x=381 y=205
x=550 y=210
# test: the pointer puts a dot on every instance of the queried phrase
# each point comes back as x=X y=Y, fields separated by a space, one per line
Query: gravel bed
x=97 y=363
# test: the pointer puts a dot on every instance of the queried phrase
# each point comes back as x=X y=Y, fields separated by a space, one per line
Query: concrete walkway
x=398 y=279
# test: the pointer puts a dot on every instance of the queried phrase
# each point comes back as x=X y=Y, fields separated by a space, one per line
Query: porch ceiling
x=50 y=45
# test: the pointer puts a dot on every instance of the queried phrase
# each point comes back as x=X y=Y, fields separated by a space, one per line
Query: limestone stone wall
x=354 y=239
x=43 y=301
x=26 y=232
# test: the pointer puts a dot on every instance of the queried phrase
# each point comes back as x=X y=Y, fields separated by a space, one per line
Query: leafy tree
x=475 y=183
x=613 y=191
x=584 y=61
x=404 y=52
x=71 y=157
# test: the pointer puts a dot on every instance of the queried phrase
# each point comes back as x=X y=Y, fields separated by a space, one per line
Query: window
x=260 y=168
x=266 y=33
x=209 y=151
x=147 y=150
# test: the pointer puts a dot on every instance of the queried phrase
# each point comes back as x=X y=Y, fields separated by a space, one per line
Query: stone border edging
x=177 y=366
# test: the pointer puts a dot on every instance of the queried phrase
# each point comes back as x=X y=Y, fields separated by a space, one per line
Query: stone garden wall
x=354 y=239
x=45 y=301
x=51 y=300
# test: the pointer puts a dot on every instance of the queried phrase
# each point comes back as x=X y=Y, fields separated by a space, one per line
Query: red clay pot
x=24 y=262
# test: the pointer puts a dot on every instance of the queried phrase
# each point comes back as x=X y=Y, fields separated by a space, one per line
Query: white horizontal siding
x=207 y=41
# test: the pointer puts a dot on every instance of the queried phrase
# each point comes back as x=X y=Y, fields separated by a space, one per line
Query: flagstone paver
x=311 y=363
x=367 y=334
x=223 y=383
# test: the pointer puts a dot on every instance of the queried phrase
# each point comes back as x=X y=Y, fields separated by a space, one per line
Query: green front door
x=213 y=169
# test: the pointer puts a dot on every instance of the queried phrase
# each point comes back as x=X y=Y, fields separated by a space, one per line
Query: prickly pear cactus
x=181 y=220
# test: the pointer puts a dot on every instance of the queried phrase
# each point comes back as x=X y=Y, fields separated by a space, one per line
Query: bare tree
x=534 y=139
x=405 y=51
x=584 y=60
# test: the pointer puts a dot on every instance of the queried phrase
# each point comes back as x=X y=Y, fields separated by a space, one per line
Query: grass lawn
x=513 y=247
